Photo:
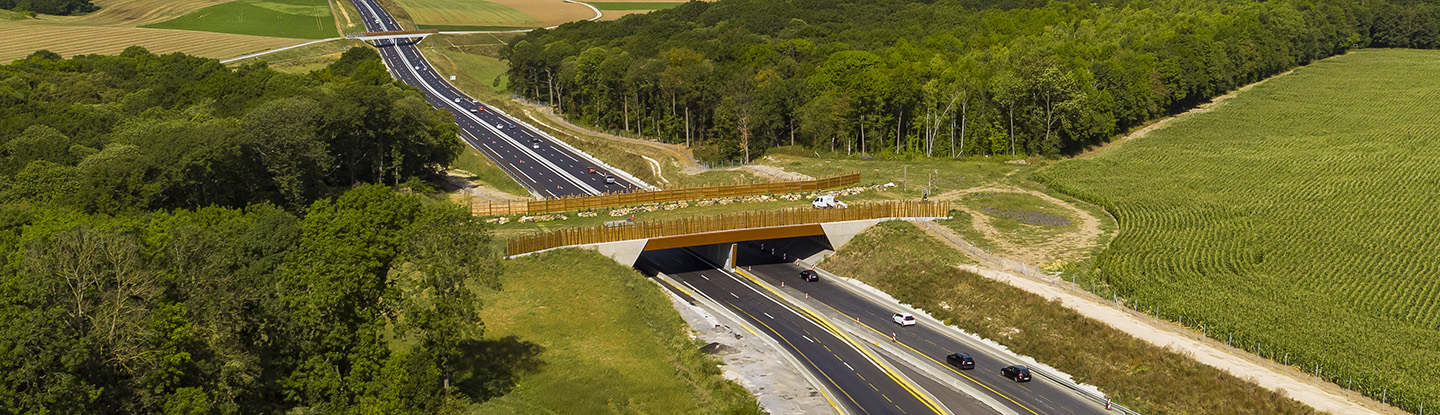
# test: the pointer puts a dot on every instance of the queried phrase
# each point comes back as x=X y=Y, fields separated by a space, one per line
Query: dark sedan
x=1016 y=373
x=809 y=275
x=960 y=361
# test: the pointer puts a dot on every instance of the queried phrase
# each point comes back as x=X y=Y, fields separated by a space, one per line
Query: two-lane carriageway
x=533 y=159
x=863 y=385
x=930 y=344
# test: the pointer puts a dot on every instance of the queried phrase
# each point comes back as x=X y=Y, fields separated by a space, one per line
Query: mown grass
x=305 y=19
x=484 y=172
x=1298 y=215
x=611 y=343
x=900 y=259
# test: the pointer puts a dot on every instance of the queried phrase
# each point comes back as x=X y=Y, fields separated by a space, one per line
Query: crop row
x=1301 y=214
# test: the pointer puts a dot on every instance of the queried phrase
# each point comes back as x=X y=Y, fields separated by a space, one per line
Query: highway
x=1039 y=396
x=864 y=387
x=547 y=169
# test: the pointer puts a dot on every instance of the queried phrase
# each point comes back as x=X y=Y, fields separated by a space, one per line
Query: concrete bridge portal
x=719 y=247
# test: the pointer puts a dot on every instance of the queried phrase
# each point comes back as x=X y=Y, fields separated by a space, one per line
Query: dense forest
x=937 y=78
x=185 y=238
x=55 y=7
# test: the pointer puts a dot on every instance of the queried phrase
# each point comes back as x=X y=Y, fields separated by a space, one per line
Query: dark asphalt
x=549 y=170
x=866 y=388
x=1038 y=396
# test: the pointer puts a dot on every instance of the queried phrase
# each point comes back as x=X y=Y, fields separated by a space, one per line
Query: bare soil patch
x=1029 y=217
x=1063 y=247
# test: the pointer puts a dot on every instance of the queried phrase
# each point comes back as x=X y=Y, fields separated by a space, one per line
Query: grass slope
x=305 y=19
x=1299 y=215
x=900 y=259
x=612 y=343
x=484 y=171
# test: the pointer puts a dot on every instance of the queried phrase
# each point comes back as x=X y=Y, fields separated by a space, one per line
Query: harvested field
x=21 y=41
x=131 y=12
x=479 y=15
x=304 y=19
x=615 y=10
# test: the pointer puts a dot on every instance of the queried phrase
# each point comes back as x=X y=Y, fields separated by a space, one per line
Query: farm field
x=116 y=26
x=1299 y=215
x=492 y=15
x=131 y=12
x=618 y=9
x=21 y=41
x=305 y=19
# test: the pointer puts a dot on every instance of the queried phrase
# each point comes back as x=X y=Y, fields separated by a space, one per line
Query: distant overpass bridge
x=624 y=241
x=393 y=34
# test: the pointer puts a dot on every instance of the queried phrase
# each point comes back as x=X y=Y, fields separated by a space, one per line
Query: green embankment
x=900 y=259
x=484 y=171
x=305 y=19
x=611 y=343
x=1299 y=215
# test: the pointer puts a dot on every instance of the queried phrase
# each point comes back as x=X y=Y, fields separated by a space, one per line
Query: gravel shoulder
x=778 y=386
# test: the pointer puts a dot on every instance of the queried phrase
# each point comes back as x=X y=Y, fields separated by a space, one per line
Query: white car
x=903 y=319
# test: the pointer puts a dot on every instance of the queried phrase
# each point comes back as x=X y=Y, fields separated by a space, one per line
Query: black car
x=960 y=361
x=1017 y=373
x=809 y=275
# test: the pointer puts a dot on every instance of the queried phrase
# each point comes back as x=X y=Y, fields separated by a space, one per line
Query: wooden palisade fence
x=744 y=220
x=612 y=200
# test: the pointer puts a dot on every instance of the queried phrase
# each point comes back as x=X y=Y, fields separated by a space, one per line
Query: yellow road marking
x=887 y=398
x=824 y=322
x=807 y=358
x=952 y=369
x=692 y=295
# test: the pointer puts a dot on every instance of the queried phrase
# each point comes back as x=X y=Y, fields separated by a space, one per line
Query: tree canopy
x=55 y=7
x=145 y=131
x=937 y=78
x=185 y=238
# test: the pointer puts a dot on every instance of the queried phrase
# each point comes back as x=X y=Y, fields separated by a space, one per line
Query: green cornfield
x=1302 y=216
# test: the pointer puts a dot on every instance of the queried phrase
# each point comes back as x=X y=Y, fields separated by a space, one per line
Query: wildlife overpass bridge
x=623 y=241
x=393 y=34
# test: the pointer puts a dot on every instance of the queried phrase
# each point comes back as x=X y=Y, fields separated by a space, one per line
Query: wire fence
x=613 y=200
x=744 y=220
x=1239 y=340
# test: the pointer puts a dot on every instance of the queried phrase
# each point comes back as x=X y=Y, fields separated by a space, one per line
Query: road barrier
x=744 y=220
x=614 y=200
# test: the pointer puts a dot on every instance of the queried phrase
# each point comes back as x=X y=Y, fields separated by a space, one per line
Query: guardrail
x=745 y=220
x=639 y=198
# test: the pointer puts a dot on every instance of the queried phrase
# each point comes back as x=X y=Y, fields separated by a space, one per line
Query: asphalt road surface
x=865 y=387
x=1039 y=396
x=531 y=158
